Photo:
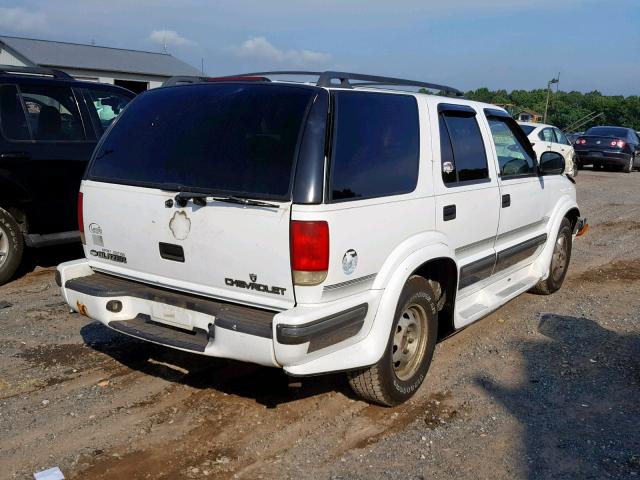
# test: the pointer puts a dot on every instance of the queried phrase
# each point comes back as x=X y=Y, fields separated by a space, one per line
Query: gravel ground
x=546 y=387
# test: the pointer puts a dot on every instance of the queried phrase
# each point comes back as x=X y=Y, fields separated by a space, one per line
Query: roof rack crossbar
x=36 y=71
x=327 y=79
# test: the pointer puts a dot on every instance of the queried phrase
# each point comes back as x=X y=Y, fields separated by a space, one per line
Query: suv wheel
x=403 y=367
x=11 y=246
x=559 y=261
x=628 y=168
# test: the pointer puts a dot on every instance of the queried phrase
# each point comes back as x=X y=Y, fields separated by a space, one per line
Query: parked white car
x=547 y=138
x=317 y=228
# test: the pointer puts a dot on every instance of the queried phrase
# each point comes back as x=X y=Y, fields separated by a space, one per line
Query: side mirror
x=551 y=163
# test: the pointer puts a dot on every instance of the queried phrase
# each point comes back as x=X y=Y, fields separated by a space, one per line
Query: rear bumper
x=604 y=158
x=212 y=327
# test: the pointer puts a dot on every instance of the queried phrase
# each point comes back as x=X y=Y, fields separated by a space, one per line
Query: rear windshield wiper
x=200 y=199
x=245 y=201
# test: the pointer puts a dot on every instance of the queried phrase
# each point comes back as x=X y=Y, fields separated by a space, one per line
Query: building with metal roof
x=133 y=69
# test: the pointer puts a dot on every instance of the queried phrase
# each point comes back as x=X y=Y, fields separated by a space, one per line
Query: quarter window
x=513 y=157
x=53 y=113
x=376 y=146
x=462 y=150
x=13 y=121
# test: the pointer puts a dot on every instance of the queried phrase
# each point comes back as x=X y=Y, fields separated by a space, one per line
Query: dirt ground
x=546 y=387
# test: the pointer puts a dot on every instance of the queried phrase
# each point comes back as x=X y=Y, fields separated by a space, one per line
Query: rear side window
x=546 y=135
x=53 y=113
x=463 y=153
x=13 y=121
x=561 y=137
x=107 y=105
x=376 y=145
x=232 y=138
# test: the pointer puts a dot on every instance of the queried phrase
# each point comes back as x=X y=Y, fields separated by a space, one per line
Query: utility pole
x=546 y=106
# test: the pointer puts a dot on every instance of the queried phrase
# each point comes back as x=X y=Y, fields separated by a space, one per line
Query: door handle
x=506 y=200
x=15 y=155
x=449 y=213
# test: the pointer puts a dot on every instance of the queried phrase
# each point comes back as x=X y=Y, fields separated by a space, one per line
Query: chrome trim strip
x=348 y=283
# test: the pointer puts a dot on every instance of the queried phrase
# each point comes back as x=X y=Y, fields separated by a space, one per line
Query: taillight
x=617 y=143
x=309 y=251
x=581 y=141
x=80 y=217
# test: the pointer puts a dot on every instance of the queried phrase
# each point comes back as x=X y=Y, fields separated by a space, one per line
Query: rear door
x=56 y=158
x=228 y=141
x=467 y=194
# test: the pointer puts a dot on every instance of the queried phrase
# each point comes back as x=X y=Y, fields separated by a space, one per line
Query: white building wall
x=7 y=58
x=108 y=77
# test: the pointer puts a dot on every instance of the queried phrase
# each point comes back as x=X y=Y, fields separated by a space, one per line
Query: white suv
x=547 y=138
x=332 y=226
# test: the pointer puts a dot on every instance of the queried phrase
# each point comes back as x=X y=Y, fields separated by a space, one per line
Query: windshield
x=527 y=129
x=229 y=137
x=607 y=131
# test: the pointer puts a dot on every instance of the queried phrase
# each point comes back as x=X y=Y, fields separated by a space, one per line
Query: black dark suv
x=49 y=126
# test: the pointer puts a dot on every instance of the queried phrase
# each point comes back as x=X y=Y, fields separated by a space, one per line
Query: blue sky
x=510 y=44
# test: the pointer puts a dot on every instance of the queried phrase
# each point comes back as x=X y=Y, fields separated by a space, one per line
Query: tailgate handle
x=172 y=252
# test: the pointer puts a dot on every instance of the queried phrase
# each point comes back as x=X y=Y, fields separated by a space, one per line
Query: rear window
x=219 y=138
x=527 y=129
x=376 y=145
x=607 y=131
x=462 y=147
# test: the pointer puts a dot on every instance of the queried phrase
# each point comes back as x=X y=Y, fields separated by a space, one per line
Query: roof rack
x=343 y=80
x=35 y=71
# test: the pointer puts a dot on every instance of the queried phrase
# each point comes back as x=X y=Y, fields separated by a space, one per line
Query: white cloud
x=261 y=48
x=19 y=19
x=169 y=37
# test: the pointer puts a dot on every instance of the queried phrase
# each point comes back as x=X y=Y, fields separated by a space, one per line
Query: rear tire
x=11 y=246
x=628 y=168
x=559 y=261
x=412 y=340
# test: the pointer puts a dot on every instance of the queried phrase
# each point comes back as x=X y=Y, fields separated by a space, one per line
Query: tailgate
x=232 y=252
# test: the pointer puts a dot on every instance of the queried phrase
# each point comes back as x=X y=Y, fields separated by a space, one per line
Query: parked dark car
x=49 y=126
x=572 y=137
x=605 y=147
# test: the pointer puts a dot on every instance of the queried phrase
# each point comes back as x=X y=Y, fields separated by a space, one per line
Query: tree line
x=566 y=108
